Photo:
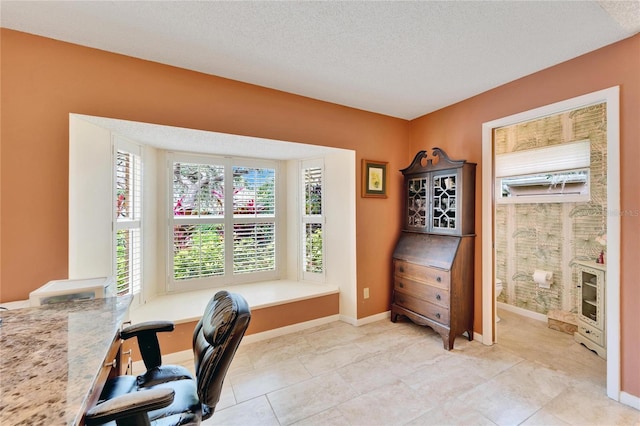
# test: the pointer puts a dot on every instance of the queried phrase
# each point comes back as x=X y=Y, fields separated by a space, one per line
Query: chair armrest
x=132 y=407
x=146 y=332
x=146 y=327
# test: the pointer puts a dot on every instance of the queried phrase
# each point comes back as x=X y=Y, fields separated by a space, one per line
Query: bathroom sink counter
x=51 y=357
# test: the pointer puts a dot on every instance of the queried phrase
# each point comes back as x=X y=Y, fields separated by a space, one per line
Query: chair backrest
x=215 y=341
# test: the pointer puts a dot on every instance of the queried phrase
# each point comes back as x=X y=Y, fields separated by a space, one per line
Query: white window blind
x=312 y=220
x=198 y=251
x=557 y=173
x=566 y=156
x=128 y=206
x=224 y=221
x=198 y=220
x=254 y=230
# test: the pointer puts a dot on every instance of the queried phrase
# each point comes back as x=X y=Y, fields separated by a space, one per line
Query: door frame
x=611 y=97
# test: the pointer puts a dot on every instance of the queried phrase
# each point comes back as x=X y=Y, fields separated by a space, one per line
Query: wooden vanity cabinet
x=433 y=261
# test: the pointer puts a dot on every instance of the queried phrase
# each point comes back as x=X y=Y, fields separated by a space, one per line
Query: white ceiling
x=402 y=59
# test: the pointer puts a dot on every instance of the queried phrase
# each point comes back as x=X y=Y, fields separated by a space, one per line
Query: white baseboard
x=367 y=320
x=270 y=334
x=478 y=337
x=630 y=400
x=523 y=312
x=276 y=332
x=176 y=357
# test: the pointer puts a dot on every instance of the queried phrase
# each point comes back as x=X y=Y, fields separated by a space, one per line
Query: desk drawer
x=419 y=306
x=432 y=276
x=436 y=295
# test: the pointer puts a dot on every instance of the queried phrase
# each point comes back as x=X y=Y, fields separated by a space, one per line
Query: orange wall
x=458 y=129
x=262 y=319
x=43 y=80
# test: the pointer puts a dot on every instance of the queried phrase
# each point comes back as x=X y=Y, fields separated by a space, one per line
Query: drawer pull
x=438 y=297
x=439 y=279
x=438 y=315
x=400 y=300
x=112 y=364
x=401 y=269
x=400 y=285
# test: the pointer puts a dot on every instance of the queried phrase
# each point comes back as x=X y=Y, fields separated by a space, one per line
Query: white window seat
x=189 y=306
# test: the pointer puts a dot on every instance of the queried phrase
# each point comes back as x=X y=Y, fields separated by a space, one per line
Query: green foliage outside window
x=199 y=248
x=202 y=255
x=122 y=251
x=313 y=248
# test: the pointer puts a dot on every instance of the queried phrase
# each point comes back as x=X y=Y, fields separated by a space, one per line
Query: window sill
x=188 y=306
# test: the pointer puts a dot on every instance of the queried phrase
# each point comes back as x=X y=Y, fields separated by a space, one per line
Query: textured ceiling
x=402 y=59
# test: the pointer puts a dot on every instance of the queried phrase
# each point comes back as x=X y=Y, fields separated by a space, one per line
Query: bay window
x=223 y=221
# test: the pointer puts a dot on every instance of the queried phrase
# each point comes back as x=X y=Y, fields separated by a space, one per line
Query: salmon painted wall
x=263 y=319
x=43 y=80
x=458 y=130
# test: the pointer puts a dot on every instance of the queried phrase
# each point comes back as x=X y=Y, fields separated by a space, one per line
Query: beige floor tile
x=382 y=326
x=395 y=404
x=255 y=412
x=544 y=418
x=309 y=398
x=227 y=397
x=268 y=379
x=489 y=361
x=375 y=372
x=336 y=374
x=275 y=351
x=418 y=354
x=516 y=394
x=585 y=404
x=453 y=412
x=332 y=337
x=329 y=417
x=321 y=362
x=376 y=343
x=445 y=379
x=240 y=364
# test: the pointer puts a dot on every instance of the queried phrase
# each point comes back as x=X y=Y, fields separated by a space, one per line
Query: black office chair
x=167 y=394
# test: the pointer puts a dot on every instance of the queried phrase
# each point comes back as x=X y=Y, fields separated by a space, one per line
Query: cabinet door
x=591 y=303
x=417 y=203
x=445 y=203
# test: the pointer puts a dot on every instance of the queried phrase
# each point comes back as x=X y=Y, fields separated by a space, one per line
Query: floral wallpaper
x=551 y=236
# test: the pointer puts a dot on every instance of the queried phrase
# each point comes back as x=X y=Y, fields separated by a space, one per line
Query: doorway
x=610 y=97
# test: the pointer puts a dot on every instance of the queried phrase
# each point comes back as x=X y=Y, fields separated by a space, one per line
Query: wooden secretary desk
x=433 y=260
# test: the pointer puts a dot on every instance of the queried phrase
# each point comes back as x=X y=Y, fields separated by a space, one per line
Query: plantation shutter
x=254 y=228
x=128 y=223
x=198 y=220
x=223 y=226
x=312 y=220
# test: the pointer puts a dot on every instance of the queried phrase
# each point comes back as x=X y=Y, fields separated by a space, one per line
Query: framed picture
x=374 y=179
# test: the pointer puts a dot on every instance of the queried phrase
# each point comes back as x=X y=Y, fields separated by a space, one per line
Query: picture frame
x=374 y=179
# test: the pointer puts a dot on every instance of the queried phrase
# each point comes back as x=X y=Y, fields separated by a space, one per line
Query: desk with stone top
x=54 y=359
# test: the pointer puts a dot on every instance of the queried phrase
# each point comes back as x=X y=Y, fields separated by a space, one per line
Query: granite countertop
x=51 y=356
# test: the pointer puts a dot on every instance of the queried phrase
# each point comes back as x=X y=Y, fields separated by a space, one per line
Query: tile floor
x=399 y=374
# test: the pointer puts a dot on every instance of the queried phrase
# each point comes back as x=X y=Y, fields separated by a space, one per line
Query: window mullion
x=228 y=218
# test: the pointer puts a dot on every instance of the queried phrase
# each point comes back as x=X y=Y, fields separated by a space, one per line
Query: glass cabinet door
x=417 y=202
x=589 y=307
x=444 y=203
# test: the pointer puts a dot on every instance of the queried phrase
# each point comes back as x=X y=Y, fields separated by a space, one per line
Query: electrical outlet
x=366 y=292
